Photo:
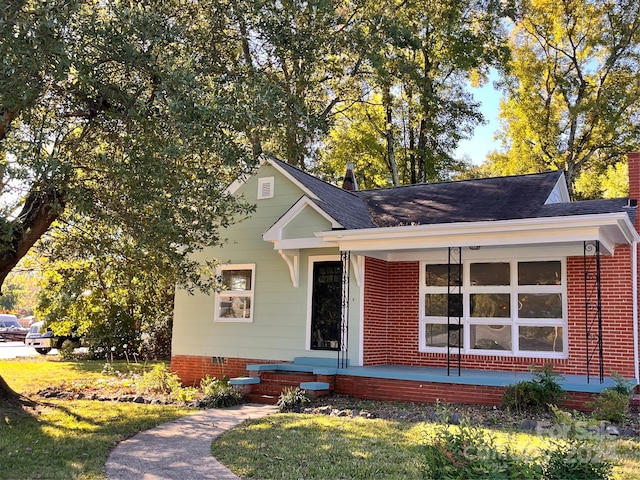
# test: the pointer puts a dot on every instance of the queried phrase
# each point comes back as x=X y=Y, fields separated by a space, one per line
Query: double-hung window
x=506 y=308
x=234 y=302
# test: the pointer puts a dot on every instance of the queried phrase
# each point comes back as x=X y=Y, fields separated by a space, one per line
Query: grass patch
x=57 y=439
x=71 y=440
x=28 y=375
x=291 y=446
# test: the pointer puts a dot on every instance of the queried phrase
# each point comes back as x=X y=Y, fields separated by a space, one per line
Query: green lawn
x=293 y=446
x=63 y=439
x=57 y=439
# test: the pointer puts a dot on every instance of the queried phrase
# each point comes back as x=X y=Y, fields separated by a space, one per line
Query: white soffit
x=608 y=229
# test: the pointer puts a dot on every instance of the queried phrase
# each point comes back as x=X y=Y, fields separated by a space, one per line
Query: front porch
x=422 y=384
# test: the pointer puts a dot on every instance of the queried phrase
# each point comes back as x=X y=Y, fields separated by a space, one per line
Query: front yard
x=338 y=437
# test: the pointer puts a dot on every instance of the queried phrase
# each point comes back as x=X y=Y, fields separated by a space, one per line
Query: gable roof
x=476 y=200
x=342 y=205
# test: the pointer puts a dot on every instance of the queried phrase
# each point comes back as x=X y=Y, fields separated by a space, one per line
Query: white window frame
x=227 y=294
x=513 y=321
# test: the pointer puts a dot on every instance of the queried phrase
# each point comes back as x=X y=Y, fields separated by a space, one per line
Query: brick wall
x=393 y=338
x=376 y=308
x=405 y=390
x=191 y=369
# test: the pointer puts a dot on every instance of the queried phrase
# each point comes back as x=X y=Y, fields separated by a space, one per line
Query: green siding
x=305 y=224
x=279 y=327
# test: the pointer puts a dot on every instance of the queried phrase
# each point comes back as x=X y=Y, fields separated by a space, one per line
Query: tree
x=108 y=290
x=108 y=114
x=572 y=87
x=420 y=55
x=301 y=57
x=358 y=136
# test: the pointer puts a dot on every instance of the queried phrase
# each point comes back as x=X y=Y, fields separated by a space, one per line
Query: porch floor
x=489 y=378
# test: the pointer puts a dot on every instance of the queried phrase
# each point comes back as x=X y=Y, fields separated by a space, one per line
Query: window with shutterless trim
x=234 y=302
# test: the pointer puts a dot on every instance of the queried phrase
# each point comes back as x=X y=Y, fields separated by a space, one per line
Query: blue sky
x=482 y=142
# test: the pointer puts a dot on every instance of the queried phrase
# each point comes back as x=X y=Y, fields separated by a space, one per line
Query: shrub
x=576 y=459
x=466 y=451
x=613 y=403
x=293 y=399
x=159 y=380
x=66 y=350
x=536 y=394
x=219 y=393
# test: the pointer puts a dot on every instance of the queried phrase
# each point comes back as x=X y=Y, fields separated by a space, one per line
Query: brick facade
x=191 y=368
x=393 y=338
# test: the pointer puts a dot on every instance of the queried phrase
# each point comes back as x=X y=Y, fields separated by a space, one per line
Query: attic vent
x=265 y=188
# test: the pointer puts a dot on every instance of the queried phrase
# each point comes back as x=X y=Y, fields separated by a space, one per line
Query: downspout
x=634 y=290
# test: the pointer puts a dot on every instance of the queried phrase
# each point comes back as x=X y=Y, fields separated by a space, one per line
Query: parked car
x=11 y=330
x=40 y=338
x=43 y=339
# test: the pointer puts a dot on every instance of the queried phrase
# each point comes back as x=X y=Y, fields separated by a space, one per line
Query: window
x=506 y=308
x=234 y=303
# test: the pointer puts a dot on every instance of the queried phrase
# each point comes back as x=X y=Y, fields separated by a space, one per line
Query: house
x=446 y=291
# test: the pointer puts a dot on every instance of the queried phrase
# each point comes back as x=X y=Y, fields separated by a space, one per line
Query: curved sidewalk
x=181 y=449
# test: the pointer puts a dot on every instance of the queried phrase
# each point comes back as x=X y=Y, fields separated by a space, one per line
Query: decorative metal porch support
x=593 y=307
x=454 y=306
x=343 y=353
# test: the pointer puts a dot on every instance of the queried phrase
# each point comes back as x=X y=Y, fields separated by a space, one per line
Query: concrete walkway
x=180 y=450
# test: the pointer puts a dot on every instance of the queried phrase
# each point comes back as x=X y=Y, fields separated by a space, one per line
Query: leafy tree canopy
x=107 y=114
x=571 y=88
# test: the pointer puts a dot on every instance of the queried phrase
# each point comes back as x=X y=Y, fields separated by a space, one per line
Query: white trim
x=357 y=264
x=609 y=229
x=237 y=293
x=361 y=314
x=292 y=259
x=311 y=260
x=513 y=322
x=274 y=233
x=634 y=293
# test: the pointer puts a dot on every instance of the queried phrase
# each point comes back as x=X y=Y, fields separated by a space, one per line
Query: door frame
x=311 y=261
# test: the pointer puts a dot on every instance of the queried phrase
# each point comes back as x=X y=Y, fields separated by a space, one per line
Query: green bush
x=611 y=405
x=469 y=452
x=219 y=393
x=576 y=459
x=293 y=399
x=159 y=380
x=536 y=394
x=66 y=350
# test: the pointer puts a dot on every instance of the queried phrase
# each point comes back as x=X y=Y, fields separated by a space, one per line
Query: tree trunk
x=41 y=208
x=391 y=153
x=7 y=394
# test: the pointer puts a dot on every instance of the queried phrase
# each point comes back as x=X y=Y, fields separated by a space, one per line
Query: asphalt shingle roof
x=486 y=199
x=475 y=200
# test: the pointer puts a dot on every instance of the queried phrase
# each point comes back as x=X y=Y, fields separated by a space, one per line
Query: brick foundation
x=191 y=369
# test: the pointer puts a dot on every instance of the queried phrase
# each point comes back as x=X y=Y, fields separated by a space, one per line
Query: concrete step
x=263 y=399
x=293 y=378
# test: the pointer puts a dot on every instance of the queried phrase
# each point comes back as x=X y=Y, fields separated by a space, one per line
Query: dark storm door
x=326 y=305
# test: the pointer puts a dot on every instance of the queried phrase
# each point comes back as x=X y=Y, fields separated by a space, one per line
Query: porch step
x=286 y=378
x=273 y=383
x=263 y=399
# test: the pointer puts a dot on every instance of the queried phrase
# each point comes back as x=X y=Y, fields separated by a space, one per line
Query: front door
x=326 y=305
